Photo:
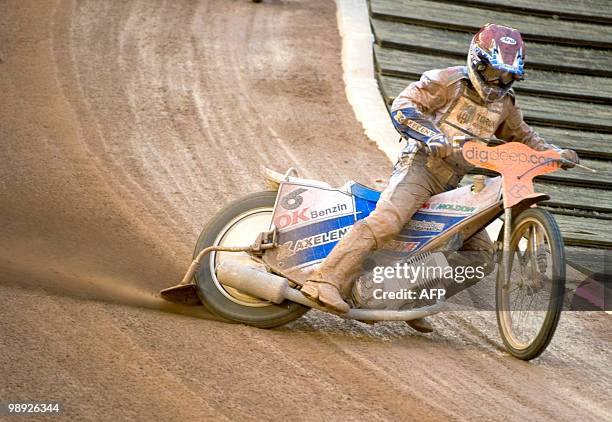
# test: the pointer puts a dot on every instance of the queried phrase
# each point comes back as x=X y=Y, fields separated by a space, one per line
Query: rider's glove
x=440 y=146
x=569 y=155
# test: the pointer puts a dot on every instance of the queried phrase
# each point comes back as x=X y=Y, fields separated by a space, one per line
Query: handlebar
x=571 y=163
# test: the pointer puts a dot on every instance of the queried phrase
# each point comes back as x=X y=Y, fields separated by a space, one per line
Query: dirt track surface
x=124 y=126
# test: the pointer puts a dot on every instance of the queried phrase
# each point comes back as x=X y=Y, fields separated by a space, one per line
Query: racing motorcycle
x=254 y=255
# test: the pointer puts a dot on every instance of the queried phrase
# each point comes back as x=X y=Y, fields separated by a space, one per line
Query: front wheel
x=238 y=224
x=529 y=304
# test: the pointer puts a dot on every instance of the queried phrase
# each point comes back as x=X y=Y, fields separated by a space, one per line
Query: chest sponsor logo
x=470 y=116
x=474 y=118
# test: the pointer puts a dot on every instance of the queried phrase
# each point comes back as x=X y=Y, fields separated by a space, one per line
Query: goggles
x=491 y=74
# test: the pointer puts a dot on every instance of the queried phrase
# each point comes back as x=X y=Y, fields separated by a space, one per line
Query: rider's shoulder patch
x=448 y=76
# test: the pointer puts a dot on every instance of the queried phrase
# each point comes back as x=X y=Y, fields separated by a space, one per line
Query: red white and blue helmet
x=495 y=60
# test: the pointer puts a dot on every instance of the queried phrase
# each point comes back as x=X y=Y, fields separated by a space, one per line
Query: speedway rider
x=476 y=99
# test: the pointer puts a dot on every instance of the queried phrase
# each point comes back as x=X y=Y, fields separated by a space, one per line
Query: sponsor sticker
x=300 y=205
x=291 y=219
x=332 y=210
x=508 y=40
x=316 y=240
x=410 y=246
x=293 y=199
x=448 y=207
x=400 y=246
x=485 y=156
x=425 y=226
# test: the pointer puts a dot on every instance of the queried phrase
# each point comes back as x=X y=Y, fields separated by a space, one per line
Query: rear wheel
x=238 y=224
x=529 y=305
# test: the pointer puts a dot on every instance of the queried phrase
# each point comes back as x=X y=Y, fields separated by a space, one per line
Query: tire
x=227 y=302
x=541 y=220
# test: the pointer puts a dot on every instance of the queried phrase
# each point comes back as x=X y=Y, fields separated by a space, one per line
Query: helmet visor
x=495 y=76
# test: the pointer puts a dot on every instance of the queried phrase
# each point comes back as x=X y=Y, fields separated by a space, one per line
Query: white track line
x=361 y=85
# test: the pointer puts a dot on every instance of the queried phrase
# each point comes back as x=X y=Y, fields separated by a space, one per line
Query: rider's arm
x=412 y=111
x=514 y=129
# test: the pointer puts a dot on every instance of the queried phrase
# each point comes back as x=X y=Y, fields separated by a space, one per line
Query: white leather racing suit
x=444 y=103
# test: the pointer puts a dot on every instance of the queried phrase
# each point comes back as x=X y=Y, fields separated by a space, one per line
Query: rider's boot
x=331 y=282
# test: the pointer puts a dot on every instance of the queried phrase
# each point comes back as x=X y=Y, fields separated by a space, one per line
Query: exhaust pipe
x=252 y=280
